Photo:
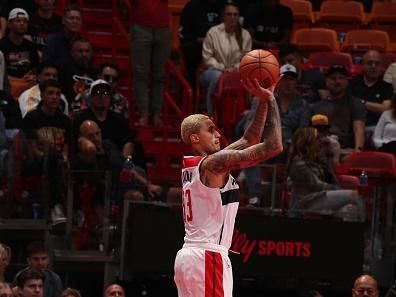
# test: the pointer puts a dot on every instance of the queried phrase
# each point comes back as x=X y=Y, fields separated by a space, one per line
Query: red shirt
x=150 y=13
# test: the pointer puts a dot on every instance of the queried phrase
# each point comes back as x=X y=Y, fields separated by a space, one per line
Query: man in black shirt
x=21 y=55
x=269 y=23
x=375 y=93
x=44 y=22
x=197 y=17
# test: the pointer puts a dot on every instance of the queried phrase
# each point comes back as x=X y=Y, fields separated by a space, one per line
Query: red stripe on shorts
x=213 y=275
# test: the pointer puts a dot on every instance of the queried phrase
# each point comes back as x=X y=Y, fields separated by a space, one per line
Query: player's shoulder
x=191 y=161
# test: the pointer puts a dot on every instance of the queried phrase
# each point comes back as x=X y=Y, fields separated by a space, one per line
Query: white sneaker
x=57 y=214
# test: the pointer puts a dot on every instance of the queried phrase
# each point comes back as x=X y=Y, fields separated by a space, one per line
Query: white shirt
x=385 y=131
x=390 y=76
x=30 y=98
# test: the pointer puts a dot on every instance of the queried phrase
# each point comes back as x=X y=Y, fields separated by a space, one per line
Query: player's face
x=209 y=137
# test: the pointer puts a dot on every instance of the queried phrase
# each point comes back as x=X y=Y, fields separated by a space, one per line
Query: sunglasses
x=109 y=77
x=102 y=92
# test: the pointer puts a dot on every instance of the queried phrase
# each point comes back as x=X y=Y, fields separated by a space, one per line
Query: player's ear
x=194 y=138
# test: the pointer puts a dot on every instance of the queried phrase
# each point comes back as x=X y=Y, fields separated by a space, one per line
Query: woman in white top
x=223 y=48
x=384 y=137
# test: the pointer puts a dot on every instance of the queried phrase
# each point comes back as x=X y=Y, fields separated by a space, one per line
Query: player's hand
x=254 y=88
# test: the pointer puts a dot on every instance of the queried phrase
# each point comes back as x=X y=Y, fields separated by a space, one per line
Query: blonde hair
x=70 y=292
x=191 y=125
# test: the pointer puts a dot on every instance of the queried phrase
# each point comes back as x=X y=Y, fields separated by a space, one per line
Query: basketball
x=260 y=64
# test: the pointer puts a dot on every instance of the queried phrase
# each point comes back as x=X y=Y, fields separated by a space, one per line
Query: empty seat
x=362 y=40
x=383 y=17
x=341 y=16
x=323 y=60
x=316 y=39
x=303 y=16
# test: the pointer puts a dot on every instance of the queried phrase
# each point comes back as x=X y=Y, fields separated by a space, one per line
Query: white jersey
x=209 y=213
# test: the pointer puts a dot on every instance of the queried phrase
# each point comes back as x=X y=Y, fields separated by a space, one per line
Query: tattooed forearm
x=233 y=159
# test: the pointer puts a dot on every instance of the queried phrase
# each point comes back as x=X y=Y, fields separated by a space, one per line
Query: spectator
x=5 y=290
x=375 y=93
x=223 y=48
x=346 y=114
x=49 y=133
x=365 y=286
x=30 y=283
x=70 y=292
x=5 y=258
x=44 y=22
x=30 y=98
x=38 y=259
x=269 y=23
x=310 y=82
x=114 y=290
x=8 y=106
x=390 y=75
x=315 y=185
x=58 y=45
x=151 y=46
x=114 y=127
x=294 y=113
x=20 y=54
x=197 y=17
x=110 y=72
x=7 y=6
x=384 y=137
x=76 y=73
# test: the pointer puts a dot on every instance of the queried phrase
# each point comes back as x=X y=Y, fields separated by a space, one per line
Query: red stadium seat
x=323 y=60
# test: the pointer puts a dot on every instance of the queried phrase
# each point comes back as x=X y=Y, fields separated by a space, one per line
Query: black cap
x=337 y=68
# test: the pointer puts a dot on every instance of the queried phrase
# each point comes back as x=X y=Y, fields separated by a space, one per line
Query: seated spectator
x=294 y=113
x=38 y=260
x=114 y=290
x=197 y=17
x=30 y=99
x=269 y=23
x=20 y=54
x=110 y=72
x=8 y=5
x=365 y=285
x=375 y=93
x=114 y=127
x=390 y=76
x=223 y=48
x=5 y=290
x=315 y=185
x=310 y=82
x=43 y=22
x=30 y=283
x=76 y=73
x=346 y=114
x=330 y=147
x=70 y=292
x=58 y=45
x=49 y=133
x=5 y=259
x=8 y=106
x=384 y=137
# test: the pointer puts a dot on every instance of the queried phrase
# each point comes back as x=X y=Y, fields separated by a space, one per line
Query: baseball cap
x=17 y=12
x=288 y=69
x=337 y=68
x=319 y=120
x=99 y=84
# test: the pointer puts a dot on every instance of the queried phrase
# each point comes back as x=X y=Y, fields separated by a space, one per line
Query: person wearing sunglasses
x=110 y=72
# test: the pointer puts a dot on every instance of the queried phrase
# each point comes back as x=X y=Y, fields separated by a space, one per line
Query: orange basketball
x=260 y=64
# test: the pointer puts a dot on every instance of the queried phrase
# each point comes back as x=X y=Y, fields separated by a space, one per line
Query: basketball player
x=211 y=194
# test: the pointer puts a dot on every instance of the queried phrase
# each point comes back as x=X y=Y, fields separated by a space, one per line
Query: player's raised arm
x=232 y=158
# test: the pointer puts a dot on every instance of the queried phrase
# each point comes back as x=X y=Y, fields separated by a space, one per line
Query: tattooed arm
x=216 y=167
x=253 y=132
